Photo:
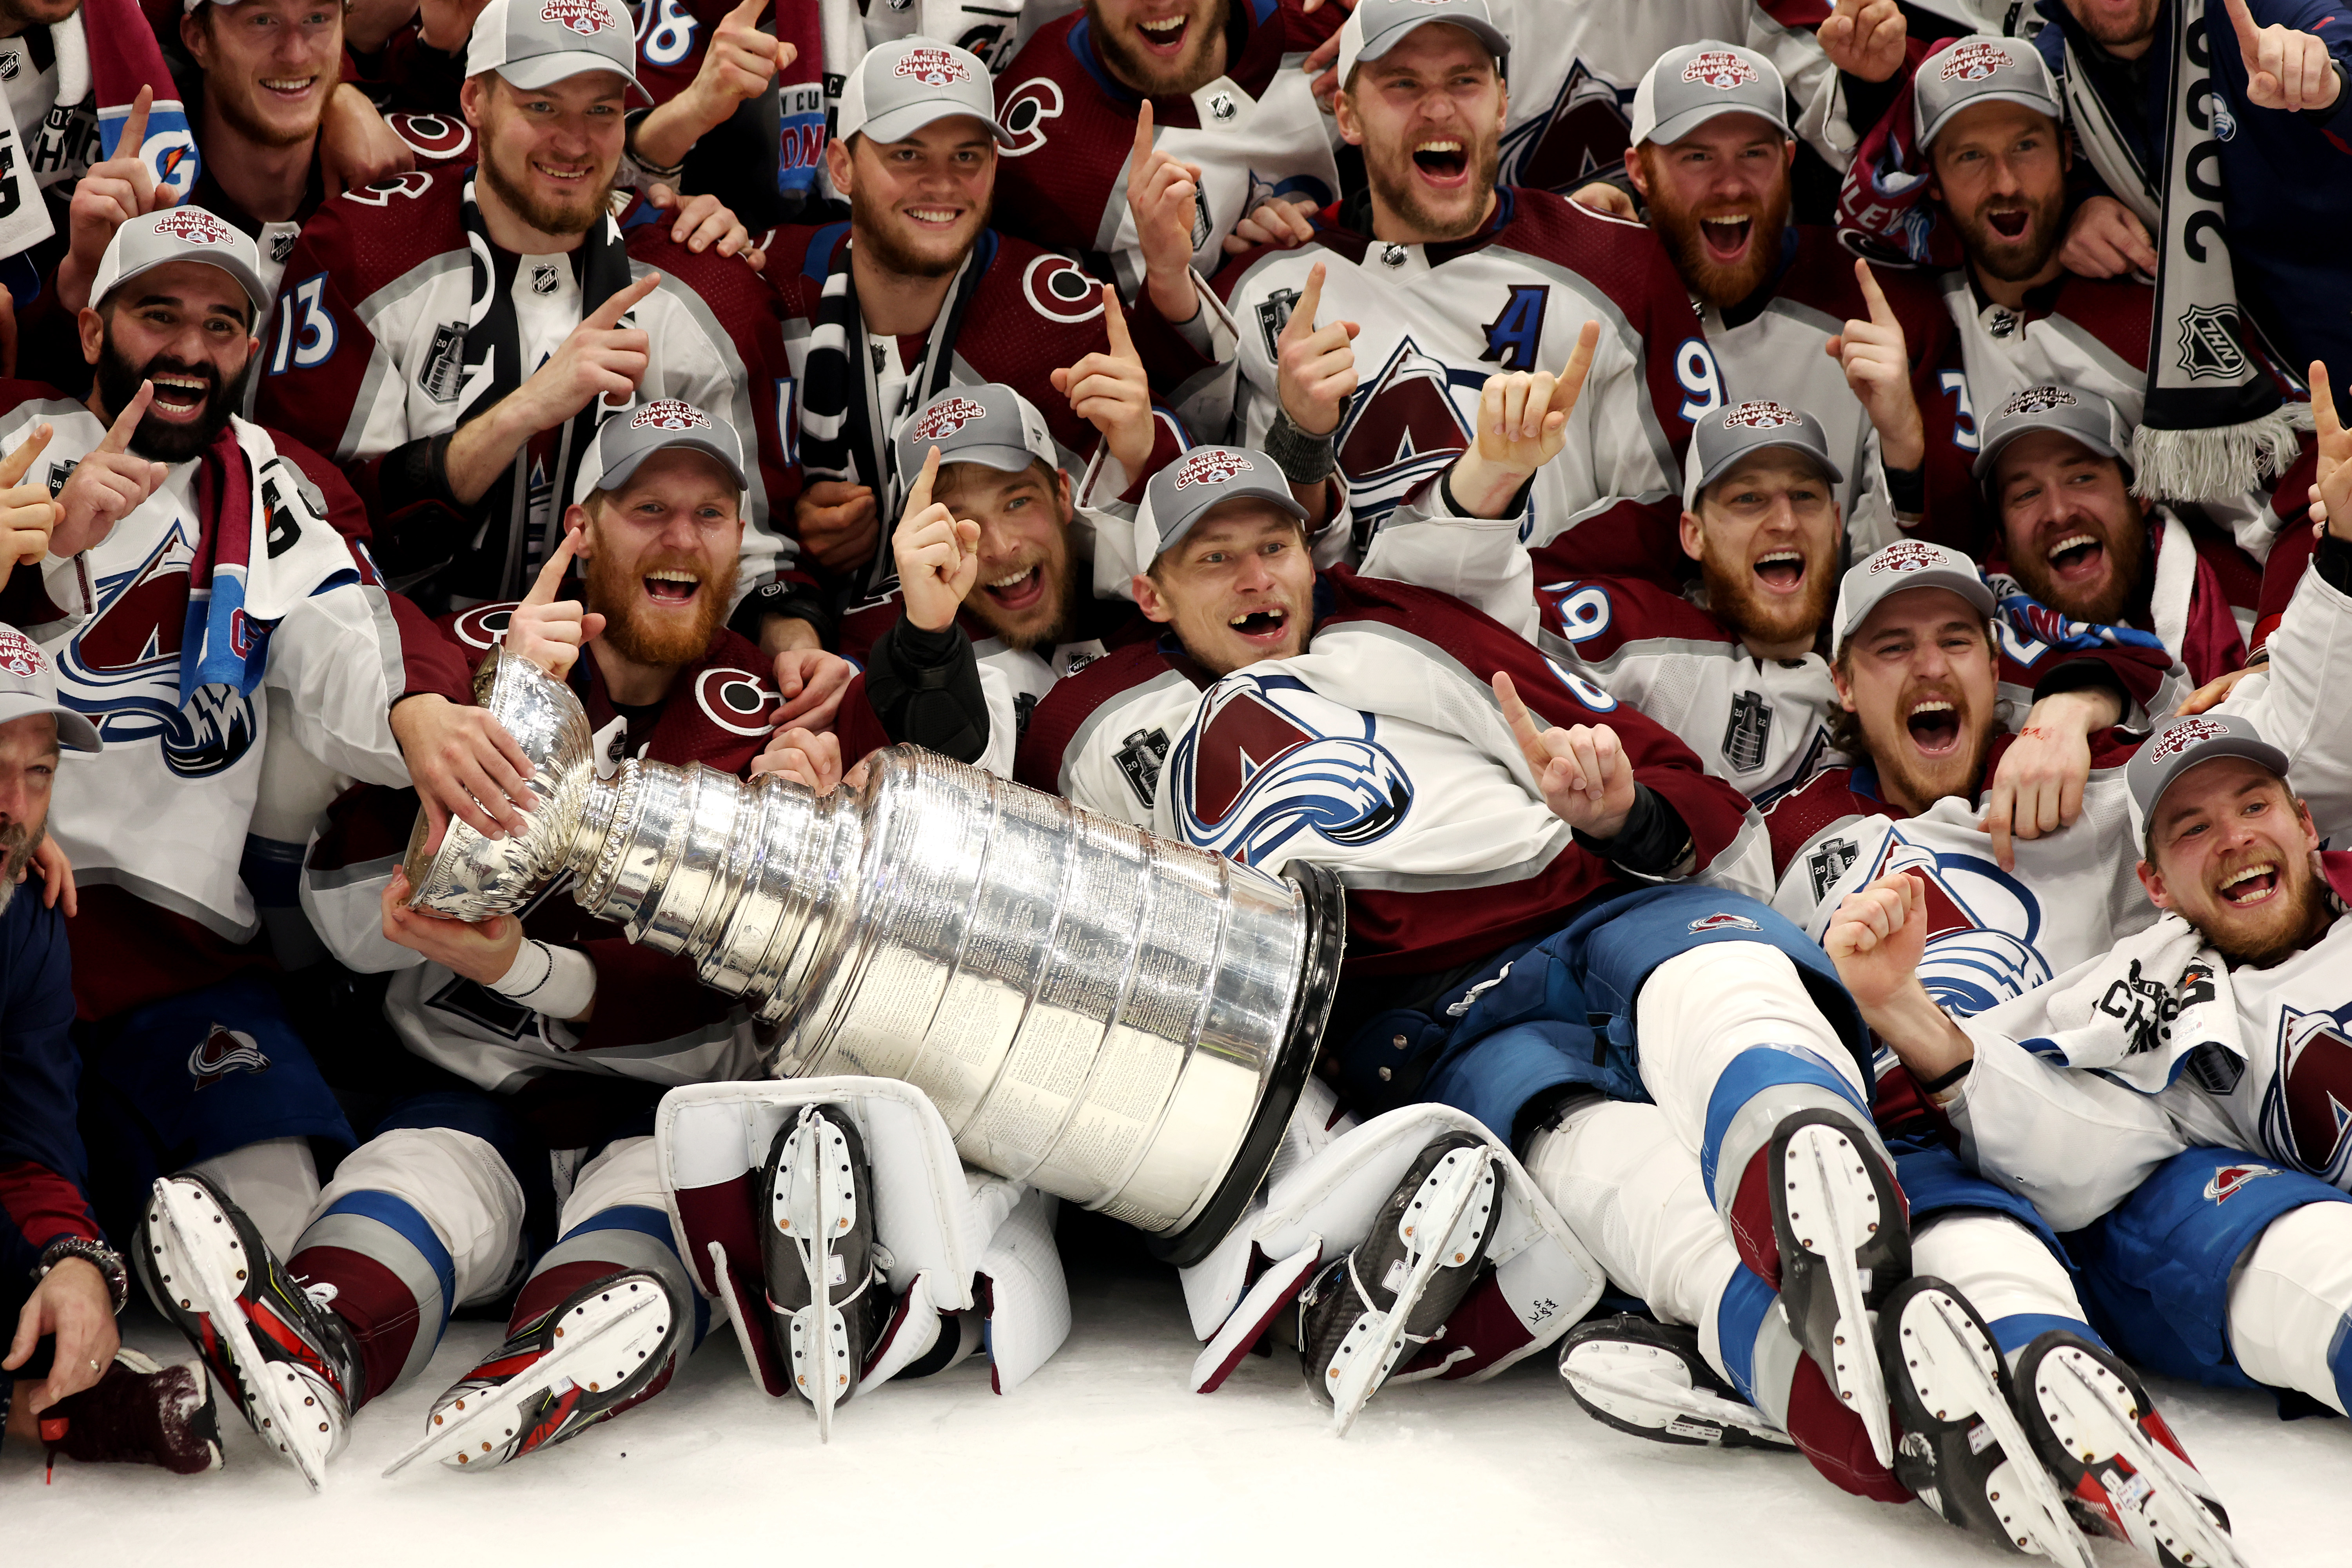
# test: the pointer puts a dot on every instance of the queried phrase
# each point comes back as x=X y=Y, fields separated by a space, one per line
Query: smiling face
x=1027 y=581
x=1429 y=116
x=1766 y=538
x=917 y=205
x=1719 y=200
x=549 y=154
x=1918 y=678
x=1161 y=47
x=661 y=557
x=2001 y=171
x=28 y=767
x=2074 y=535
x=1237 y=588
x=269 y=65
x=2124 y=27
x=188 y=328
x=2230 y=851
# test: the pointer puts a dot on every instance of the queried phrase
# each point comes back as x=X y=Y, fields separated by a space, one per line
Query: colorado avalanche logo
x=2036 y=400
x=222 y=1051
x=1906 y=555
x=586 y=18
x=1267 y=760
x=1762 y=415
x=19 y=656
x=2307 y=1105
x=1722 y=920
x=932 y=68
x=484 y=626
x=2229 y=1179
x=941 y=420
x=669 y=414
x=1212 y=466
x=1025 y=114
x=2187 y=733
x=1407 y=429
x=735 y=701
x=1720 y=69
x=1972 y=62
x=194 y=225
x=1984 y=926
x=440 y=137
x=1057 y=290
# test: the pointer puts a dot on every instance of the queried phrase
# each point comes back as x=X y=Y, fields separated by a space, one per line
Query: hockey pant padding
x=1731 y=1042
x=2008 y=1273
x=2159 y=1271
x=418 y=1221
x=275 y=1181
x=614 y=1220
x=2291 y=1305
x=1495 y=1078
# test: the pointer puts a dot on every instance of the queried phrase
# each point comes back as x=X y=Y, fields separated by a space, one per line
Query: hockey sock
x=1746 y=1339
x=2290 y=1304
x=372 y=1259
x=624 y=1236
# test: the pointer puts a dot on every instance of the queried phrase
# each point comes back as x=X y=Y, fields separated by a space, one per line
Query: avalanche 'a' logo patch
x=1586 y=131
x=222 y=1051
x=2307 y=1105
x=1266 y=759
x=2224 y=1183
x=1984 y=926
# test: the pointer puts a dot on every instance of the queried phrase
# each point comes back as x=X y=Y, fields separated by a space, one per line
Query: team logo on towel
x=1723 y=919
x=586 y=18
x=943 y=419
x=1972 y=62
x=2037 y=400
x=222 y=1051
x=1212 y=466
x=1720 y=69
x=669 y=414
x=2187 y=733
x=19 y=656
x=194 y=225
x=932 y=68
x=2224 y=1183
x=1268 y=760
x=1760 y=415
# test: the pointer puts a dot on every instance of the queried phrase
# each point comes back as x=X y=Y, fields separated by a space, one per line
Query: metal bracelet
x=1304 y=459
x=98 y=1254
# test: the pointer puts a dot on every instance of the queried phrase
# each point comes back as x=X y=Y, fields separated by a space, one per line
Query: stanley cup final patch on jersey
x=1749 y=732
x=441 y=375
x=1272 y=316
x=1826 y=863
x=1141 y=757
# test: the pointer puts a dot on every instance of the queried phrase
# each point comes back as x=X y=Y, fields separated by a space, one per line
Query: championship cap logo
x=586 y=18
x=941 y=420
x=668 y=414
x=1907 y=555
x=1212 y=467
x=18 y=654
x=1972 y=62
x=2036 y=400
x=932 y=68
x=2187 y=733
x=1720 y=69
x=1762 y=415
x=194 y=226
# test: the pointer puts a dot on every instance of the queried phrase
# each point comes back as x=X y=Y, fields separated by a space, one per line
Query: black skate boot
x=816 y=1208
x=1427 y=1243
x=1648 y=1378
x=138 y=1414
x=288 y=1361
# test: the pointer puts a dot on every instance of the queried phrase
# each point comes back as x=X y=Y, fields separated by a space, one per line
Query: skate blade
x=2086 y=1397
x=1952 y=1369
x=275 y=1393
x=1825 y=1186
x=1622 y=1382
x=1452 y=1189
x=603 y=1346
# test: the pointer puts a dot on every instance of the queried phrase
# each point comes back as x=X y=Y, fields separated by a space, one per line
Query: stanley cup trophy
x=1122 y=1021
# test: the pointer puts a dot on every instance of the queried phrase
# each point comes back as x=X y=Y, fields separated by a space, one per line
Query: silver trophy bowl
x=1121 y=1020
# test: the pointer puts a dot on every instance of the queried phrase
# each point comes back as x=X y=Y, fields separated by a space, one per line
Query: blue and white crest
x=1266 y=759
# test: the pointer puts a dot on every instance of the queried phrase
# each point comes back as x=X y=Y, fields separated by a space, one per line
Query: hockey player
x=1733 y=667
x=916 y=293
x=1219 y=128
x=429 y=1213
x=462 y=398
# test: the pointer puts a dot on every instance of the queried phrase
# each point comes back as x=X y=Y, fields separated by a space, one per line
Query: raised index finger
x=919 y=494
x=608 y=315
x=13 y=467
x=1142 y=138
x=117 y=439
x=2249 y=36
x=550 y=581
x=1115 y=323
x=748 y=13
x=1571 y=386
x=1309 y=300
x=2322 y=404
x=134 y=125
x=1516 y=714
x=1881 y=313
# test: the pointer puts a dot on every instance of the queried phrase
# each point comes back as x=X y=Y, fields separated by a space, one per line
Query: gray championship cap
x=180 y=234
x=1722 y=438
x=627 y=440
x=28 y=685
x=1976 y=69
x=1901 y=566
x=2085 y=416
x=533 y=44
x=990 y=425
x=1376 y=27
x=897 y=88
x=1692 y=85
x=2185 y=743
x=1184 y=492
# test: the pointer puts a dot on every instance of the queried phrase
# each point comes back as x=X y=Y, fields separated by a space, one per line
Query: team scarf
x=244 y=494
x=105 y=53
x=845 y=432
x=503 y=559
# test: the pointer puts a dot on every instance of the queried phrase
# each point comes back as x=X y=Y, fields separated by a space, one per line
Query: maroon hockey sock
x=1833 y=1436
x=373 y=1302
x=1751 y=1220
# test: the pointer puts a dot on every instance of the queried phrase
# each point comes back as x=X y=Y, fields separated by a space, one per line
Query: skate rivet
x=323 y=1425
x=607 y=1296
x=184 y=1300
x=265 y=1421
x=592 y=1388
x=307 y=1400
x=486 y=1447
x=1995 y=1496
x=559 y=1333
x=461 y=1404
x=803 y=1381
x=1335 y=1372
x=240 y=1273
x=640 y=1355
x=461 y=1458
x=1408 y=1230
x=438 y=1419
x=1874 y=1226
x=1460 y=1255
x=159 y=1252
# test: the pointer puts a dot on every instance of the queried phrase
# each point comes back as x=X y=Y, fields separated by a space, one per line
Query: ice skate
x=287 y=1361
x=816 y=1250
x=1648 y=1378
x=557 y=1376
x=138 y=1414
x=1396 y=1289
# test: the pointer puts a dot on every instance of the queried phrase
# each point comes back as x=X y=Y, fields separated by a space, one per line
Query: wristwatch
x=100 y=1256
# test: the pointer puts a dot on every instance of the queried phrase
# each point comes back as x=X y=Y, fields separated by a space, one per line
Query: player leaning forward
x=1507 y=880
x=430 y=1213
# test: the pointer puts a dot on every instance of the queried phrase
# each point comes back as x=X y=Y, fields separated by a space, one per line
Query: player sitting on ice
x=1508 y=880
x=429 y=1214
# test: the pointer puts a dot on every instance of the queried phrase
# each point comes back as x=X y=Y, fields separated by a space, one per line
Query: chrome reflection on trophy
x=1115 y=1019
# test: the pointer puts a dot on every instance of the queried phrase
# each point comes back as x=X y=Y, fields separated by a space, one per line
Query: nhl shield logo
x=1221 y=107
x=2187 y=733
x=1720 y=69
x=18 y=655
x=941 y=420
x=2225 y=1184
x=2036 y=400
x=668 y=414
x=193 y=225
x=1760 y=415
x=1972 y=62
x=2208 y=348
x=1749 y=732
x=932 y=68
x=1213 y=465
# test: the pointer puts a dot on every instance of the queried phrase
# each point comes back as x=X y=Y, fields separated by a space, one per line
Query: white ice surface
x=1102 y=1459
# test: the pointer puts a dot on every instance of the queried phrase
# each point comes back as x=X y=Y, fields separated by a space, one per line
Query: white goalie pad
x=948 y=1238
x=1541 y=1278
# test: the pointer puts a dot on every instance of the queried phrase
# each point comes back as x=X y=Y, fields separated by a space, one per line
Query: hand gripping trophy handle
x=1116 y=1018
